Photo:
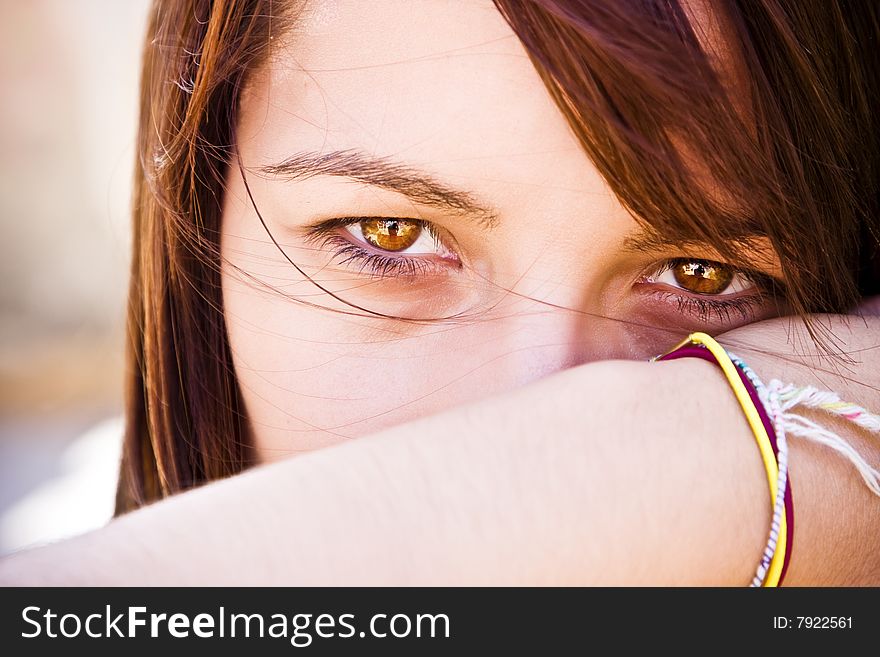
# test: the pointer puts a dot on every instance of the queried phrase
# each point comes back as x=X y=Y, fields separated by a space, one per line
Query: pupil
x=392 y=227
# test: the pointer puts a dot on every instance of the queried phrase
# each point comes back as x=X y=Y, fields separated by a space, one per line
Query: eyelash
x=707 y=310
x=380 y=266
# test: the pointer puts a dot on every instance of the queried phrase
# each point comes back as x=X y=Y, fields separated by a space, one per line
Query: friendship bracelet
x=770 y=568
x=770 y=403
x=770 y=400
x=760 y=398
x=791 y=396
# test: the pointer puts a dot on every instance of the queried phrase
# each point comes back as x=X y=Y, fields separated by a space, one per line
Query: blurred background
x=69 y=73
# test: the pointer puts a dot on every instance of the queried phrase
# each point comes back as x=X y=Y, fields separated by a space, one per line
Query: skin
x=479 y=497
x=666 y=491
x=548 y=278
x=487 y=442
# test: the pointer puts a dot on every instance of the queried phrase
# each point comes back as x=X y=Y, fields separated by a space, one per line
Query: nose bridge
x=538 y=338
x=559 y=297
x=559 y=309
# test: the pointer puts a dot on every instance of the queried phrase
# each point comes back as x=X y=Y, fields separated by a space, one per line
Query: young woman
x=427 y=248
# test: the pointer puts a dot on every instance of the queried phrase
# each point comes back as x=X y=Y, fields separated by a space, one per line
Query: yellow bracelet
x=761 y=437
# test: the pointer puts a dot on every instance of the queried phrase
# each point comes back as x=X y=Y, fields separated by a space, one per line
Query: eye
x=386 y=246
x=394 y=235
x=702 y=277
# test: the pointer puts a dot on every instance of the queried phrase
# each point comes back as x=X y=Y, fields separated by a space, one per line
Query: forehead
x=444 y=85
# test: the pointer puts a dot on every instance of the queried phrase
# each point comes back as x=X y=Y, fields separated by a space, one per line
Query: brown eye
x=702 y=276
x=391 y=234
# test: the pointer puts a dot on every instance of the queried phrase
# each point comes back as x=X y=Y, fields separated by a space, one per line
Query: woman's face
x=408 y=162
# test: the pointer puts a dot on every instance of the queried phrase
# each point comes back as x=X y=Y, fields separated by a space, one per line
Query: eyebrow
x=760 y=254
x=646 y=240
x=419 y=186
x=643 y=240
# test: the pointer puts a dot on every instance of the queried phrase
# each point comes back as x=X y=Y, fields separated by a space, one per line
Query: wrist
x=705 y=504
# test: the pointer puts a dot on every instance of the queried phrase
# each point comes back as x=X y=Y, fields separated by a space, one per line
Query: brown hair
x=640 y=90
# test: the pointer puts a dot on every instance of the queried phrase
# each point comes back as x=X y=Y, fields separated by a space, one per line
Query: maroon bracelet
x=699 y=351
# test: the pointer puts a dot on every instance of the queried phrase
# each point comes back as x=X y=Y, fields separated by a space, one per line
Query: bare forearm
x=565 y=485
x=610 y=473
